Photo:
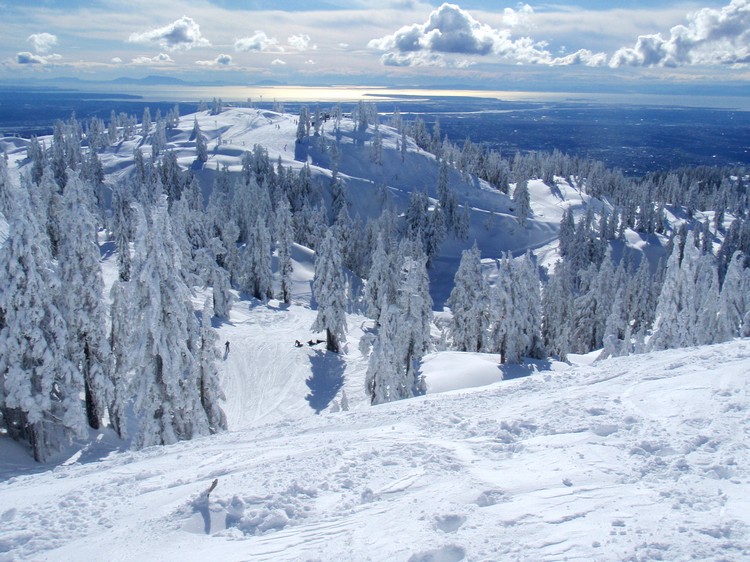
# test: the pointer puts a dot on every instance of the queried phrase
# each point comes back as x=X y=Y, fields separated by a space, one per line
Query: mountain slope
x=642 y=457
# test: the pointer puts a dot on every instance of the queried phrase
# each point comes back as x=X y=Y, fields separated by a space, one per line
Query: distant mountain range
x=152 y=80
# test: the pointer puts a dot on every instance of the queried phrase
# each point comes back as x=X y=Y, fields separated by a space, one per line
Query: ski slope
x=641 y=458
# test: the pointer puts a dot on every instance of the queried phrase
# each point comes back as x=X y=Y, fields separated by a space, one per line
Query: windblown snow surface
x=637 y=458
x=634 y=458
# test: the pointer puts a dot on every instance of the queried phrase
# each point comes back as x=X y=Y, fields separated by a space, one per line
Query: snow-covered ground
x=638 y=458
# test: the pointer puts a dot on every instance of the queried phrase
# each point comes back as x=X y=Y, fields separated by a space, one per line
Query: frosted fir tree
x=415 y=316
x=208 y=373
x=522 y=201
x=221 y=291
x=81 y=301
x=434 y=233
x=584 y=336
x=329 y=288
x=733 y=300
x=112 y=134
x=284 y=241
x=201 y=146
x=121 y=331
x=707 y=328
x=385 y=380
x=146 y=123
x=121 y=228
x=380 y=290
x=500 y=316
x=38 y=156
x=557 y=315
x=689 y=303
x=677 y=294
x=40 y=387
x=641 y=300
x=45 y=202
x=468 y=303
x=303 y=124
x=260 y=257
x=527 y=305
x=604 y=291
x=163 y=343
x=615 y=327
x=6 y=198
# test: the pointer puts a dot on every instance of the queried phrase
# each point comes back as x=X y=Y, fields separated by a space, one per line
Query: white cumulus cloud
x=259 y=42
x=161 y=58
x=301 y=43
x=25 y=57
x=277 y=62
x=42 y=42
x=519 y=17
x=182 y=34
x=221 y=60
x=711 y=36
x=450 y=30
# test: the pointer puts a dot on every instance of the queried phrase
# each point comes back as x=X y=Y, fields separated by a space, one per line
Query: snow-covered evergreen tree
x=468 y=303
x=40 y=387
x=201 y=146
x=522 y=201
x=557 y=314
x=81 y=300
x=119 y=339
x=284 y=241
x=121 y=228
x=380 y=290
x=733 y=300
x=415 y=314
x=208 y=376
x=164 y=339
x=259 y=254
x=527 y=302
x=385 y=380
x=676 y=308
x=329 y=286
x=6 y=201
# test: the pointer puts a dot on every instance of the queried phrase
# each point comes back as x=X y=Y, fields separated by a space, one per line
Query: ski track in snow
x=638 y=458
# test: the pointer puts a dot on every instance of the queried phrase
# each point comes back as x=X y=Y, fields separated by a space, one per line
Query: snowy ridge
x=641 y=457
x=492 y=221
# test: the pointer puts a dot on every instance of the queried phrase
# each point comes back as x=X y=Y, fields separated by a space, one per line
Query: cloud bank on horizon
x=371 y=38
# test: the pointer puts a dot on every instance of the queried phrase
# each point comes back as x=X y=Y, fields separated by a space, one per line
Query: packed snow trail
x=641 y=457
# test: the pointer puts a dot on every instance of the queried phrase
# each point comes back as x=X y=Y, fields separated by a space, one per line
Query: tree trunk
x=92 y=412
x=332 y=343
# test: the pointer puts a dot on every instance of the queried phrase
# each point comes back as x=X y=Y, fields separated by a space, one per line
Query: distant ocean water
x=634 y=132
x=343 y=94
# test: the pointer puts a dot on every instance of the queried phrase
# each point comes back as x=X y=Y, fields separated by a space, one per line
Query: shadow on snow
x=326 y=380
x=529 y=367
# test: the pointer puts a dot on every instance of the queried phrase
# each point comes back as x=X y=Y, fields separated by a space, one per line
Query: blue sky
x=478 y=43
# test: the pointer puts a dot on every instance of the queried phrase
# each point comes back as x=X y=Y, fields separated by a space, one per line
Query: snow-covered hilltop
x=374 y=343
